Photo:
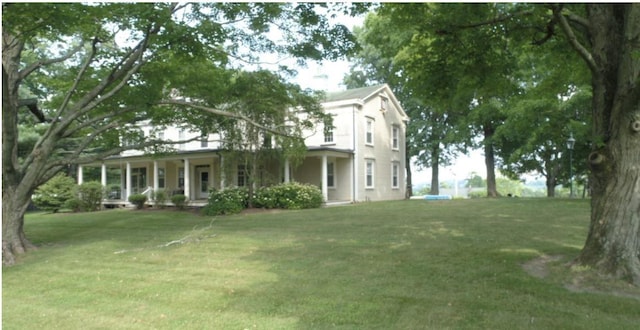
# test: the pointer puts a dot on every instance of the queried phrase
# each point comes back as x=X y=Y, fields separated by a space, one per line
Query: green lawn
x=388 y=265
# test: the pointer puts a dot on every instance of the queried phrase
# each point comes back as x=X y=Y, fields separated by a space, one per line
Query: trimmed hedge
x=138 y=200
x=179 y=200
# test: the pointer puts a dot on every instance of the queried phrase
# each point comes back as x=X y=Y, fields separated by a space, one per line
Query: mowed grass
x=387 y=265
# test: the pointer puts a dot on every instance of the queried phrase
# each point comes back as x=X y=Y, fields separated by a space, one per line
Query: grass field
x=387 y=265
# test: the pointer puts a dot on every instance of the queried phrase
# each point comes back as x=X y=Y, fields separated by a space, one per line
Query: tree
x=608 y=40
x=606 y=37
x=98 y=69
x=382 y=59
x=262 y=97
x=553 y=104
x=462 y=80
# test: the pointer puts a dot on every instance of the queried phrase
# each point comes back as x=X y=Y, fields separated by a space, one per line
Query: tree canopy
x=85 y=74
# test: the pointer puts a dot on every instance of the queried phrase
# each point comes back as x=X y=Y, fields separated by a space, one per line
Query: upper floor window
x=328 y=134
x=266 y=143
x=384 y=103
x=395 y=137
x=395 y=175
x=204 y=142
x=368 y=139
x=181 y=138
x=369 y=172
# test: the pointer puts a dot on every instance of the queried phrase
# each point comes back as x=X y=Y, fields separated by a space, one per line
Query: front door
x=203 y=182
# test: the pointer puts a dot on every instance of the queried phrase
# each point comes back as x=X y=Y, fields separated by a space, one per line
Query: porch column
x=127 y=191
x=80 y=178
x=103 y=175
x=211 y=184
x=325 y=193
x=222 y=171
x=287 y=173
x=187 y=178
x=156 y=181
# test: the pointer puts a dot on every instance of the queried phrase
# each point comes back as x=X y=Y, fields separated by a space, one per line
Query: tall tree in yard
x=97 y=69
x=607 y=38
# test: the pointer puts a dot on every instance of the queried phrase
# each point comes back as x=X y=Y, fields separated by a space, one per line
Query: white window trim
x=395 y=165
x=373 y=173
x=366 y=131
x=395 y=137
x=329 y=135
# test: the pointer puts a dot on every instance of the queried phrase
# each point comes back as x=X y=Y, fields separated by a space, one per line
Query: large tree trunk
x=14 y=241
x=435 y=164
x=407 y=164
x=490 y=162
x=613 y=243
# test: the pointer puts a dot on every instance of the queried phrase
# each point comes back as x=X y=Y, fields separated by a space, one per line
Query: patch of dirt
x=538 y=267
x=580 y=280
x=256 y=210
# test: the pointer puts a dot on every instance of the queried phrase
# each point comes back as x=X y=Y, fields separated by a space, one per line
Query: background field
x=387 y=265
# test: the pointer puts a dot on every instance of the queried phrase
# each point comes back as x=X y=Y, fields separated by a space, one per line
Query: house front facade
x=360 y=156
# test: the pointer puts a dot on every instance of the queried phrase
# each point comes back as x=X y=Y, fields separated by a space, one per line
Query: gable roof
x=363 y=94
x=357 y=93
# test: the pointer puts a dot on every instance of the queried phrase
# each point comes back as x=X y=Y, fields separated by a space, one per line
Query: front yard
x=385 y=265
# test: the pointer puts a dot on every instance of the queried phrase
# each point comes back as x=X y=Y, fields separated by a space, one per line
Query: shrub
x=297 y=196
x=138 y=200
x=228 y=201
x=160 y=197
x=73 y=204
x=52 y=195
x=264 y=197
x=91 y=194
x=179 y=201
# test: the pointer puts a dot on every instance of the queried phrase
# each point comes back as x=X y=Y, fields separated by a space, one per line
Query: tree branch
x=37 y=65
x=573 y=40
x=493 y=21
x=224 y=114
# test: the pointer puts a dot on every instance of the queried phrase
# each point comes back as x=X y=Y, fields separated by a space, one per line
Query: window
x=138 y=180
x=181 y=138
x=369 y=172
x=328 y=132
x=161 y=177
x=204 y=142
x=330 y=175
x=161 y=136
x=384 y=103
x=368 y=139
x=266 y=143
x=242 y=176
x=181 y=177
x=395 y=175
x=395 y=137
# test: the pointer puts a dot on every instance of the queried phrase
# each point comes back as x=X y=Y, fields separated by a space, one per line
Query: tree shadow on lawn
x=123 y=228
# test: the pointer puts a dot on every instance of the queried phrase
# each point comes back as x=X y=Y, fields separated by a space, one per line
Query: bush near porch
x=292 y=196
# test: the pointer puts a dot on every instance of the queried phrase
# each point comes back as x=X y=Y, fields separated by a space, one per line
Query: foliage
x=160 y=197
x=227 y=201
x=179 y=200
x=120 y=64
x=52 y=195
x=290 y=196
x=91 y=194
x=74 y=204
x=138 y=200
